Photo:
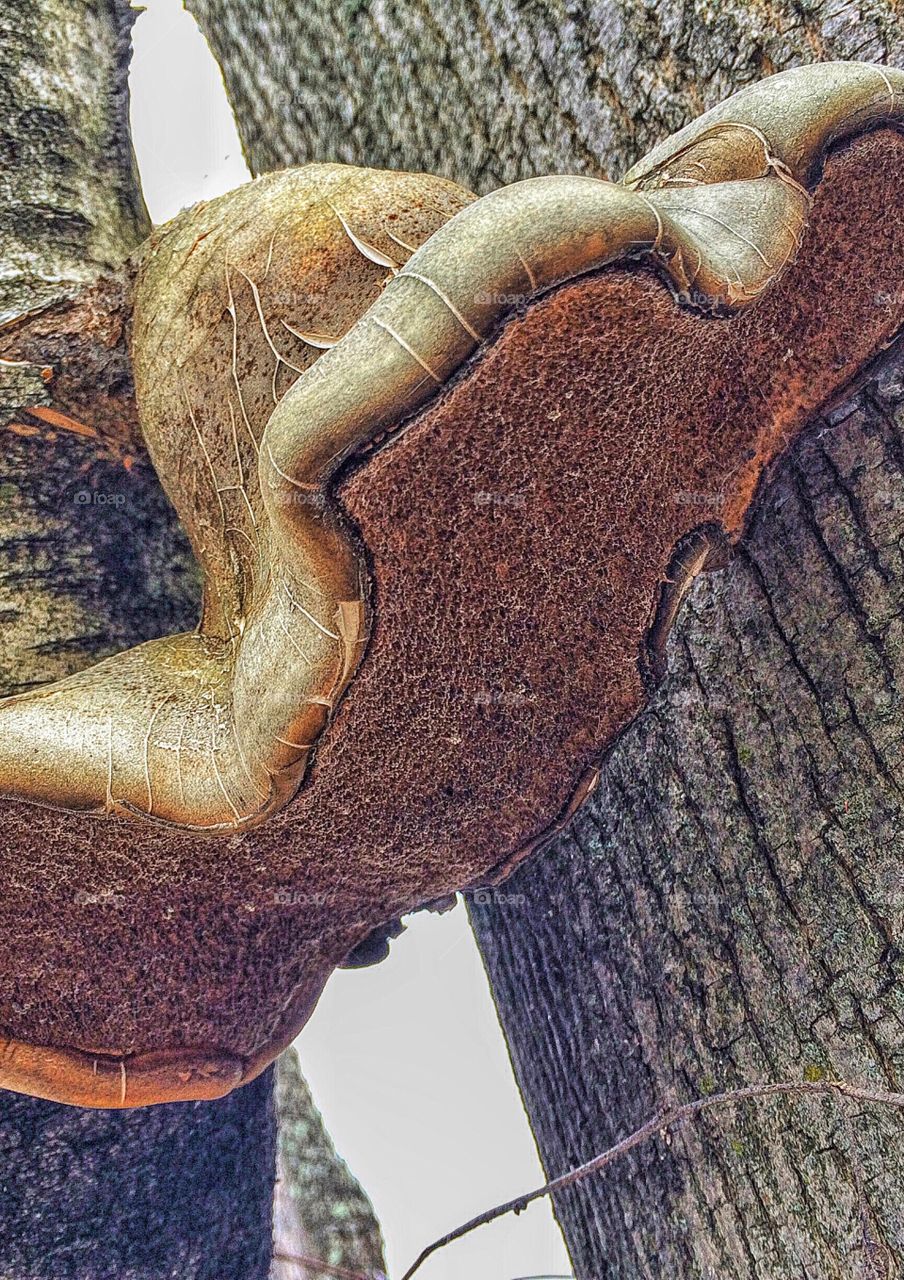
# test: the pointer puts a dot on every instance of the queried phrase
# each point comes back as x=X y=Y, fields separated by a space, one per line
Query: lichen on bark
x=316 y=1193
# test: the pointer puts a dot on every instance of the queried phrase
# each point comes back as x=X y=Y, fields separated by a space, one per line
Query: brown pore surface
x=518 y=533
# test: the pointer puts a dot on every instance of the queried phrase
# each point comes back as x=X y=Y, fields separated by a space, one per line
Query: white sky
x=406 y=1060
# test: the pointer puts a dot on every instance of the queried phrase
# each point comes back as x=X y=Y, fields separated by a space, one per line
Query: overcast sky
x=406 y=1060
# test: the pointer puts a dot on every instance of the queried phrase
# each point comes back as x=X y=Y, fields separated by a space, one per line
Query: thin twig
x=326 y=1268
x=666 y=1119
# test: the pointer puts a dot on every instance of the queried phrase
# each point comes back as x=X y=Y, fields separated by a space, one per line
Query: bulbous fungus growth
x=411 y=657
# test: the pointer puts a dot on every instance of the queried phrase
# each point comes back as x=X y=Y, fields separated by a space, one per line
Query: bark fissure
x=762 y=794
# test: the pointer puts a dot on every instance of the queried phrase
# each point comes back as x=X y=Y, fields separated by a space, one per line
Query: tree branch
x=489 y=91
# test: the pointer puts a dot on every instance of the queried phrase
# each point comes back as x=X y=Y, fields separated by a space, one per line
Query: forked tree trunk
x=727 y=908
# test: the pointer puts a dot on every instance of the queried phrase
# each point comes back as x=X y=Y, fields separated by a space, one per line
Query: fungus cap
x=448 y=467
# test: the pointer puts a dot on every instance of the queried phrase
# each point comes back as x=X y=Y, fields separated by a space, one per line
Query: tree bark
x=177 y=1191
x=70 y=204
x=91 y=557
x=320 y=1209
x=92 y=560
x=726 y=908
x=489 y=91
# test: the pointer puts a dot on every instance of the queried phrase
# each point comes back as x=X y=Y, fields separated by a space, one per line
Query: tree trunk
x=70 y=205
x=320 y=1210
x=92 y=560
x=725 y=909
x=489 y=91
x=181 y=1191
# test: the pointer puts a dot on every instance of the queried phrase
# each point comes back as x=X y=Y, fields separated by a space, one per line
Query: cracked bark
x=727 y=907
x=489 y=91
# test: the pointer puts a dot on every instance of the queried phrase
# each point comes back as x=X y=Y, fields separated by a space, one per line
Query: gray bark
x=70 y=205
x=489 y=91
x=91 y=558
x=180 y=1191
x=727 y=908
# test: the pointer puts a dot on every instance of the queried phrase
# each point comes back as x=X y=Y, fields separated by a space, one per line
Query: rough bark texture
x=489 y=91
x=726 y=909
x=320 y=1210
x=181 y=1191
x=69 y=199
x=91 y=559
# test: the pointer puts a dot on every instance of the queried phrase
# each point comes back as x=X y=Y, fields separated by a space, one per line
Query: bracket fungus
x=448 y=466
